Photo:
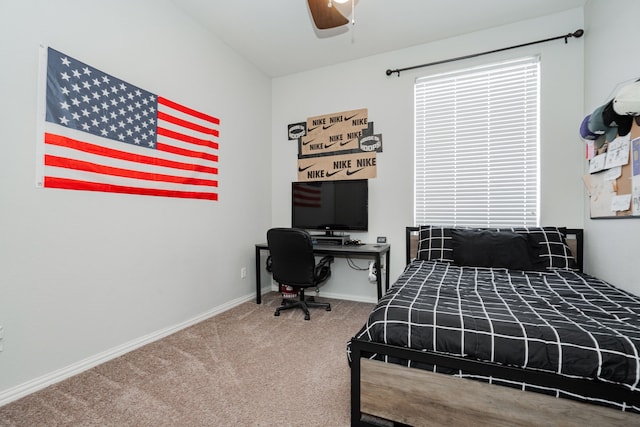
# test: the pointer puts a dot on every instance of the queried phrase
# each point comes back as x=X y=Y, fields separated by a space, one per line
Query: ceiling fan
x=326 y=15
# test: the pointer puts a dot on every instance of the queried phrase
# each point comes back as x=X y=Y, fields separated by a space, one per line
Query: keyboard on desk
x=353 y=243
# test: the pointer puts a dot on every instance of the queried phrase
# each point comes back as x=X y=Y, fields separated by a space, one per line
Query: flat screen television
x=330 y=205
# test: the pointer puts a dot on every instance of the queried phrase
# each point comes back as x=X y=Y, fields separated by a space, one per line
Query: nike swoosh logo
x=312 y=129
x=325 y=127
x=329 y=145
x=355 y=171
x=342 y=144
x=349 y=118
x=334 y=172
x=308 y=142
x=304 y=169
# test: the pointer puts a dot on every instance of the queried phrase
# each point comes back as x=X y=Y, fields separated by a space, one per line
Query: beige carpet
x=243 y=367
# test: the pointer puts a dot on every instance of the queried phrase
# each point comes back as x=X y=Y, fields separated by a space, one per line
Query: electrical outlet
x=243 y=272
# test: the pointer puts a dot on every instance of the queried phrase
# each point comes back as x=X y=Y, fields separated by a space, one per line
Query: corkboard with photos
x=613 y=181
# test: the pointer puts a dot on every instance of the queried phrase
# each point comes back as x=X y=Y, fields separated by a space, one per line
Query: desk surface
x=369 y=248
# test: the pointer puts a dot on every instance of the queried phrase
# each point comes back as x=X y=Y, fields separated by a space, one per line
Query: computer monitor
x=330 y=205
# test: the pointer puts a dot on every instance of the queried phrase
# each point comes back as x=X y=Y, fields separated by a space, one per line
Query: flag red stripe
x=298 y=196
x=72 y=184
x=62 y=141
x=63 y=162
x=187 y=110
x=184 y=152
x=187 y=138
x=186 y=124
x=308 y=190
x=307 y=204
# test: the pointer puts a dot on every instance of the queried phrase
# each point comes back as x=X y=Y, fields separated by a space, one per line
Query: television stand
x=323 y=239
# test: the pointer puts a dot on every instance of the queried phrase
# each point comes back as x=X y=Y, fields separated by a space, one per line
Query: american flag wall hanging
x=99 y=133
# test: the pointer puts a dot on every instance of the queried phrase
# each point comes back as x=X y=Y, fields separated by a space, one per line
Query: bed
x=510 y=309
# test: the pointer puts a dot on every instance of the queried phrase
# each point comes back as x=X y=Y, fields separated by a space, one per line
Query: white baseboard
x=21 y=390
x=356 y=298
x=334 y=295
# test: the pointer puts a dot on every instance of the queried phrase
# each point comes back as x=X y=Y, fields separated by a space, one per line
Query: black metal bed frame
x=584 y=387
x=578 y=234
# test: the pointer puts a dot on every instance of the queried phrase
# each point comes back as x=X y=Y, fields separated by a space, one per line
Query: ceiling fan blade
x=325 y=17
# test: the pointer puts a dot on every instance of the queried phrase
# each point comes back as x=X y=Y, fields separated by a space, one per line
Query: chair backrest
x=292 y=259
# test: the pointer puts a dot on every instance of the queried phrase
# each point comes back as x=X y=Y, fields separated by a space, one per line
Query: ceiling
x=278 y=36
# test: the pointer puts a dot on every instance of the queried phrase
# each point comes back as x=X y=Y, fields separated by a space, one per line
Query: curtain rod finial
x=577 y=34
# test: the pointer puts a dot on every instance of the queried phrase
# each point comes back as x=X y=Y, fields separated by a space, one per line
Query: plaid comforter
x=561 y=321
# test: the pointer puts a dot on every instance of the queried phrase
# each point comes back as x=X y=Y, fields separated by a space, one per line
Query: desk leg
x=387 y=264
x=258 y=285
x=379 y=275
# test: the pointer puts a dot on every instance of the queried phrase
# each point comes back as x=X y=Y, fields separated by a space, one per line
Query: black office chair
x=293 y=263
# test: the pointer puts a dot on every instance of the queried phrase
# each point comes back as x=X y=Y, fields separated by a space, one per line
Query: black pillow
x=549 y=248
x=435 y=243
x=486 y=248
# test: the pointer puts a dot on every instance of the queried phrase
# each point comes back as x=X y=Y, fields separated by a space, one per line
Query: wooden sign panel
x=342 y=166
x=334 y=132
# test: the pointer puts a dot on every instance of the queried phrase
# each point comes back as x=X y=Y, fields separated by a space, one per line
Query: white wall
x=364 y=84
x=84 y=275
x=612 y=246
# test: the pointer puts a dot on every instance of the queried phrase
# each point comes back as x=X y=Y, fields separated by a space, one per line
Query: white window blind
x=476 y=146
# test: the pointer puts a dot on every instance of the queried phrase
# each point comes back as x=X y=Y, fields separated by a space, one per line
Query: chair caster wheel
x=307 y=317
x=277 y=313
x=328 y=308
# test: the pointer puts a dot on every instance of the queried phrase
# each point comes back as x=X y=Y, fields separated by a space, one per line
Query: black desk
x=368 y=251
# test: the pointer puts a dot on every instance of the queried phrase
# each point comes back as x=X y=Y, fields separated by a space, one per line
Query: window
x=476 y=146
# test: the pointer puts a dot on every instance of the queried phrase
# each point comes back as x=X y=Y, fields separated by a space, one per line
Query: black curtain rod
x=576 y=34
